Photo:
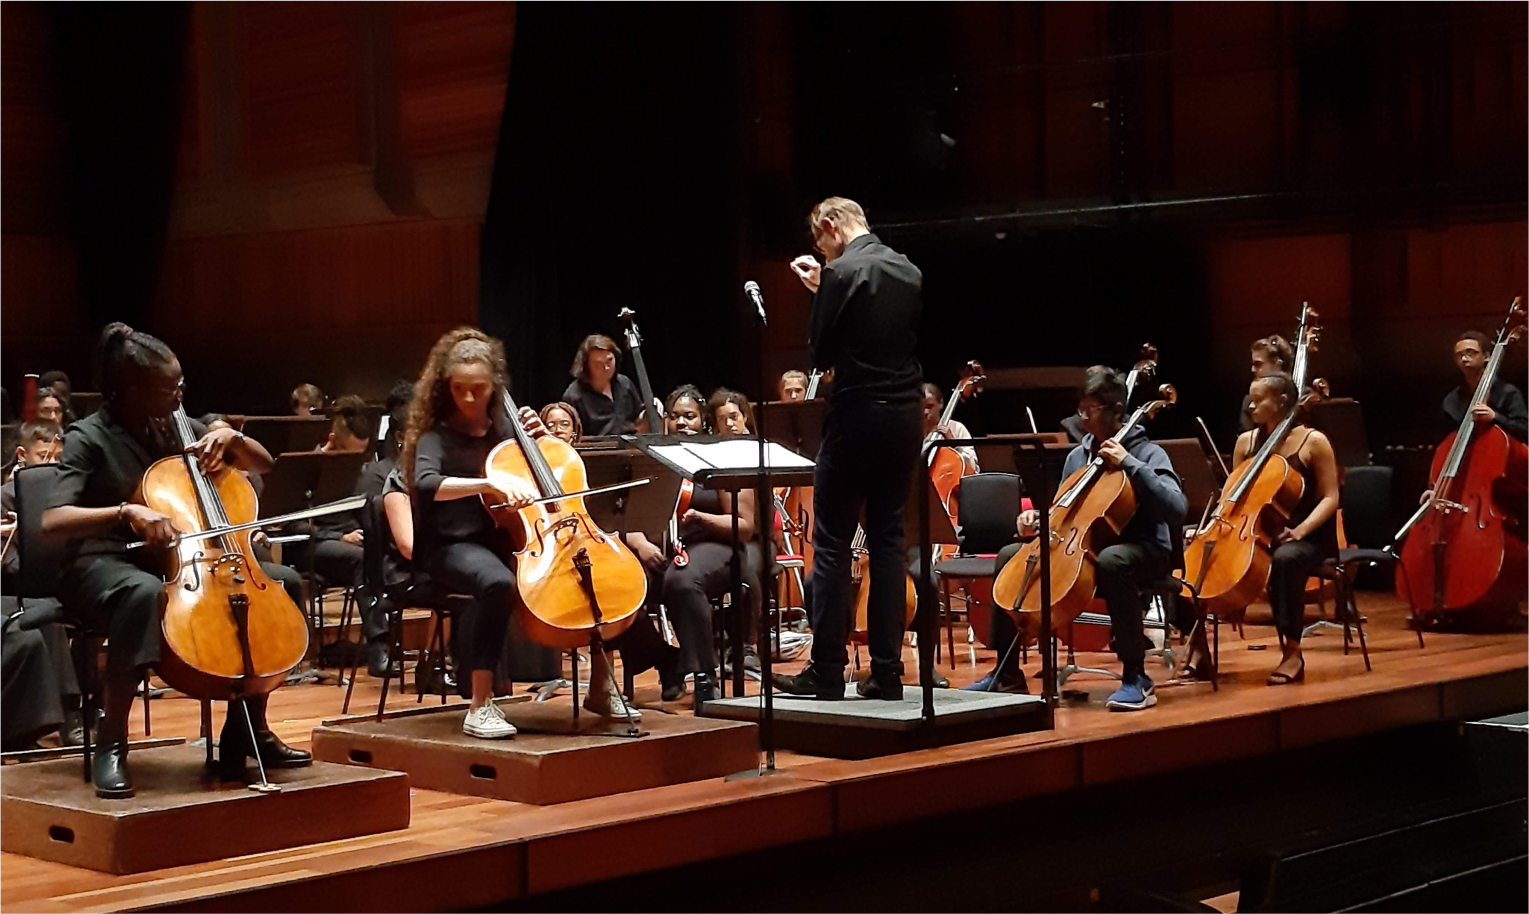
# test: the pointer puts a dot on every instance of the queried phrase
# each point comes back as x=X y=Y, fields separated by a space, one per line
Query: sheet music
x=742 y=453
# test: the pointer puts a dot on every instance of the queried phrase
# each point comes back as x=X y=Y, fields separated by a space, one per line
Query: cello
x=946 y=466
x=1092 y=506
x=578 y=584
x=860 y=581
x=1228 y=557
x=228 y=631
x=1464 y=549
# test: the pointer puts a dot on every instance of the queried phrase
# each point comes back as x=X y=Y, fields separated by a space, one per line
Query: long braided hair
x=432 y=392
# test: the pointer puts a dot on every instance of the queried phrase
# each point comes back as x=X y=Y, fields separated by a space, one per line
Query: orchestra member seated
x=1270 y=355
x=59 y=382
x=41 y=693
x=454 y=423
x=793 y=386
x=933 y=405
x=608 y=402
x=1311 y=534
x=53 y=407
x=307 y=400
x=685 y=411
x=1147 y=550
x=1504 y=405
x=563 y=422
x=104 y=459
x=730 y=412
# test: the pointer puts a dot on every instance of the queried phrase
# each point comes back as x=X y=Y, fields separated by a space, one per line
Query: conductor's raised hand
x=808 y=270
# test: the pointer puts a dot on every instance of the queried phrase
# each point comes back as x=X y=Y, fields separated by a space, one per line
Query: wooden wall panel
x=301 y=81
x=452 y=67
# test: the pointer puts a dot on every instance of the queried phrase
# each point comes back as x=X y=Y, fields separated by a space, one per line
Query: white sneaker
x=487 y=722
x=610 y=705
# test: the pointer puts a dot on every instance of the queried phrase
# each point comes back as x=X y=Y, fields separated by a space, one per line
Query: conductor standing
x=864 y=325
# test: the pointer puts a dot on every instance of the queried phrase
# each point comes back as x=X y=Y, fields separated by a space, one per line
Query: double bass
x=1464 y=549
x=946 y=468
x=1092 y=506
x=1228 y=557
x=652 y=412
x=228 y=631
x=578 y=584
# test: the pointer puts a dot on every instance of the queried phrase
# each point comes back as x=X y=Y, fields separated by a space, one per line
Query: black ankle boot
x=273 y=752
x=109 y=771
x=669 y=675
x=885 y=686
x=72 y=731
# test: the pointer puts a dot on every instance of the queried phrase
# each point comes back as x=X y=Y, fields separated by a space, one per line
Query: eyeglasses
x=1093 y=408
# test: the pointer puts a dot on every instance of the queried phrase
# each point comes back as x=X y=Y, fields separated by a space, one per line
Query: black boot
x=669 y=675
x=273 y=752
x=109 y=771
x=813 y=682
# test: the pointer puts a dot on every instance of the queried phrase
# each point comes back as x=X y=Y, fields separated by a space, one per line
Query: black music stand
x=645 y=509
x=1342 y=420
x=1193 y=467
x=797 y=424
x=1030 y=465
x=997 y=454
x=287 y=434
x=302 y=480
x=735 y=479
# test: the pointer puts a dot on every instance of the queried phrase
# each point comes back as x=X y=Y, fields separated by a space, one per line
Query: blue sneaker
x=1137 y=695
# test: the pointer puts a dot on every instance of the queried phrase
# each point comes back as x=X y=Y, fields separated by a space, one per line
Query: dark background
x=313 y=192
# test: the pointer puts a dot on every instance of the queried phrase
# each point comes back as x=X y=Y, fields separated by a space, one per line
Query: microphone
x=751 y=289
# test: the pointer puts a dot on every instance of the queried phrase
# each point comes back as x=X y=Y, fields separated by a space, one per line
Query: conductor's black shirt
x=1505 y=400
x=864 y=323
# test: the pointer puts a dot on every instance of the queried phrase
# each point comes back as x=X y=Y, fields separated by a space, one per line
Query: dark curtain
x=617 y=184
x=121 y=68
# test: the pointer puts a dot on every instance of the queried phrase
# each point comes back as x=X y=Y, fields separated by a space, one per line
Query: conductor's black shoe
x=813 y=682
x=887 y=688
x=940 y=682
x=109 y=771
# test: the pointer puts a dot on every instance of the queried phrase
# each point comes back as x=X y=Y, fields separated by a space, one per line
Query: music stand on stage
x=645 y=509
x=287 y=434
x=302 y=480
x=797 y=424
x=725 y=464
x=1342 y=420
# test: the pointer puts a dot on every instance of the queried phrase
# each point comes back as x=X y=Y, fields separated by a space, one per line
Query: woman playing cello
x=454 y=422
x=104 y=460
x=1311 y=534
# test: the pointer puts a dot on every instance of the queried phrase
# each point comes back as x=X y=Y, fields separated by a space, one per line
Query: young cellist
x=104 y=459
x=455 y=420
x=1146 y=550
x=1311 y=534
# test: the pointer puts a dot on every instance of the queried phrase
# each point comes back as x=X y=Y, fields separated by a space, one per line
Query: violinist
x=1504 y=405
x=1148 y=547
x=1312 y=534
x=454 y=422
x=104 y=459
x=562 y=422
x=607 y=401
x=866 y=306
x=793 y=386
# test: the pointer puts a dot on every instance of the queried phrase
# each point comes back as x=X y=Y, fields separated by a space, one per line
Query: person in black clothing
x=1504 y=405
x=864 y=325
x=105 y=456
x=454 y=422
x=730 y=412
x=607 y=401
x=1148 y=548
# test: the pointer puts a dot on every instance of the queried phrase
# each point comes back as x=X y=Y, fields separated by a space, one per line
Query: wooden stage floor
x=464 y=852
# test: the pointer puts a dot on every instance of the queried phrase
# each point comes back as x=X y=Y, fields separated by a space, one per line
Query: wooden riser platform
x=464 y=852
x=551 y=760
x=182 y=814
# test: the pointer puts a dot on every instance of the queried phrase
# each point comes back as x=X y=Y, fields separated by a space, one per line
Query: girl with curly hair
x=454 y=422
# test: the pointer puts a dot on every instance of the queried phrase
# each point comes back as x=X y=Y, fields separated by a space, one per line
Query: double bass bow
x=1464 y=549
x=1092 y=506
x=577 y=583
x=1228 y=557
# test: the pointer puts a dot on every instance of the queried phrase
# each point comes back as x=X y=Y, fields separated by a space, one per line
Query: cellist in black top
x=104 y=459
x=1504 y=405
x=864 y=325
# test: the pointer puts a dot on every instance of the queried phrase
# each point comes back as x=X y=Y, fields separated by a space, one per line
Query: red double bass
x=1464 y=549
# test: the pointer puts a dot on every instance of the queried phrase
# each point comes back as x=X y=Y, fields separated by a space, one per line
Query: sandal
x=1278 y=678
